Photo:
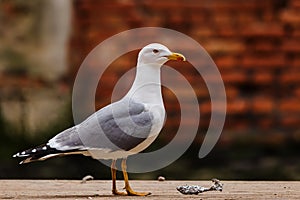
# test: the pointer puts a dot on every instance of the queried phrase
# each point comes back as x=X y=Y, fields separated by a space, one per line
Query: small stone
x=87 y=178
x=161 y=178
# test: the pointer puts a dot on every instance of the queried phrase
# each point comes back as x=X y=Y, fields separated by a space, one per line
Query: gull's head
x=157 y=54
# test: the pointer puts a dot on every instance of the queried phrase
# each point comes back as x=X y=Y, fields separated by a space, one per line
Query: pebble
x=87 y=178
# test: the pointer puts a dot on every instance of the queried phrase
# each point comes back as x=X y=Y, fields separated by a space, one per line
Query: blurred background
x=255 y=44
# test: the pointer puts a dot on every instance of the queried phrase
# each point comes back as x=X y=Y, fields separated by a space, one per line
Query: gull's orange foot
x=116 y=192
x=130 y=192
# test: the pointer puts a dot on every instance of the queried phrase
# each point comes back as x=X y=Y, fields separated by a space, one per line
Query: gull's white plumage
x=145 y=99
x=122 y=128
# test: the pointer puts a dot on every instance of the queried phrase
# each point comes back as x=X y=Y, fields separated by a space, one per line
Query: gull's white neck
x=146 y=87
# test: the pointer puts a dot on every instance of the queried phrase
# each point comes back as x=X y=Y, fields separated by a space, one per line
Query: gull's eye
x=155 y=51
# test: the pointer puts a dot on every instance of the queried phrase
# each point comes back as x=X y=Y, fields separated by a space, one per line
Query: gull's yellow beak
x=176 y=56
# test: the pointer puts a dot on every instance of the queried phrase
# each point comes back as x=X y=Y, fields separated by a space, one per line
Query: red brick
x=234 y=77
x=263 y=46
x=291 y=16
x=196 y=17
x=231 y=5
x=245 y=18
x=290 y=105
x=226 y=62
x=154 y=21
x=163 y=5
x=224 y=46
x=289 y=120
x=202 y=32
x=290 y=77
x=227 y=31
x=263 y=105
x=296 y=33
x=261 y=29
x=297 y=92
x=266 y=123
x=291 y=45
x=295 y=62
x=223 y=18
x=231 y=92
x=237 y=106
x=263 y=77
x=265 y=62
x=295 y=4
x=237 y=125
x=205 y=108
x=201 y=92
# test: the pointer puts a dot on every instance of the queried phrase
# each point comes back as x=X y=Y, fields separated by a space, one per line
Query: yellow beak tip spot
x=177 y=56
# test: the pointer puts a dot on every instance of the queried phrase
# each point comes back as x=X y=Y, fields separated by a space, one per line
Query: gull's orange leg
x=114 y=177
x=127 y=186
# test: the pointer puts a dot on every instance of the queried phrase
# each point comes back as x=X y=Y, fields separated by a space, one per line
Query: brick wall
x=255 y=44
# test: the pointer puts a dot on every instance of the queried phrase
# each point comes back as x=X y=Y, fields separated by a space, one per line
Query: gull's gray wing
x=119 y=126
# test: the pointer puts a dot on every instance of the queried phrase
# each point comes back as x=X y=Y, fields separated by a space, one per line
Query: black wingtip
x=35 y=153
x=40 y=153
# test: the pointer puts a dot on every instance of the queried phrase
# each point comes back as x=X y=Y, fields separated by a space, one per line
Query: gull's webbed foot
x=116 y=192
x=130 y=192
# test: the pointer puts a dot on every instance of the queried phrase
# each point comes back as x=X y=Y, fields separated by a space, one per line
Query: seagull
x=120 y=129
